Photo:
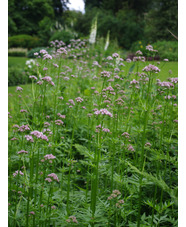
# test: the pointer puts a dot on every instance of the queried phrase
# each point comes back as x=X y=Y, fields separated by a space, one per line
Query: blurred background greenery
x=33 y=23
x=131 y=24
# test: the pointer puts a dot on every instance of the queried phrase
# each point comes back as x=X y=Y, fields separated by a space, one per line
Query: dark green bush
x=166 y=49
x=25 y=41
x=64 y=35
x=31 y=52
x=17 y=76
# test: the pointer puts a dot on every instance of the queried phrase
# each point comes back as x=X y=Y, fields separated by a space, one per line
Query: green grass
x=17 y=61
x=164 y=66
x=27 y=88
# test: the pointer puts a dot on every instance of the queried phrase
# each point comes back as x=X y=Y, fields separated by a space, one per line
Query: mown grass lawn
x=17 y=61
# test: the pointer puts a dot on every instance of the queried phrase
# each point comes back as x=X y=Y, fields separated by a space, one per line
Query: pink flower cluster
x=148 y=144
x=165 y=84
x=47 y=56
x=139 y=58
x=59 y=122
x=78 y=99
x=134 y=82
x=24 y=128
x=130 y=148
x=114 y=194
x=109 y=88
x=61 y=116
x=115 y=55
x=55 y=65
x=72 y=102
x=19 y=88
x=49 y=157
x=103 y=112
x=61 y=50
x=48 y=79
x=151 y=68
x=105 y=74
x=174 y=80
x=33 y=77
x=29 y=138
x=18 y=172
x=109 y=58
x=39 y=135
x=72 y=218
x=105 y=130
x=138 y=52
x=43 y=51
x=125 y=134
x=23 y=111
x=22 y=152
x=53 y=176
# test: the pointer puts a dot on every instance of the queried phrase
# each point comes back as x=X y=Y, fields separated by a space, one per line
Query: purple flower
x=19 y=89
x=33 y=77
x=128 y=60
x=103 y=112
x=105 y=130
x=139 y=52
x=39 y=135
x=59 y=122
x=148 y=144
x=24 y=128
x=60 y=98
x=149 y=47
x=55 y=65
x=22 y=152
x=29 y=138
x=78 y=99
x=48 y=179
x=43 y=51
x=105 y=74
x=40 y=82
x=134 y=82
x=130 y=148
x=47 y=78
x=151 y=68
x=47 y=56
x=49 y=156
x=54 y=176
x=23 y=111
x=18 y=172
x=14 y=138
x=115 y=55
x=72 y=102
x=109 y=58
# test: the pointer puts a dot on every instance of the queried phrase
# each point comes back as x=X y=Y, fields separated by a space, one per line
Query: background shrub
x=64 y=35
x=31 y=52
x=17 y=76
x=166 y=49
x=25 y=41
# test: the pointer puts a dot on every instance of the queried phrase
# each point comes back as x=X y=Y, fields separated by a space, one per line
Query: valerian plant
x=94 y=143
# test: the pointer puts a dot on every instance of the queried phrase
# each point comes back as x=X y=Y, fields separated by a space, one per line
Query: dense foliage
x=127 y=21
x=93 y=143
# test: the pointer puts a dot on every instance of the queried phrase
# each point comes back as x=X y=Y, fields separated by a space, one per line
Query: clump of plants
x=93 y=144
